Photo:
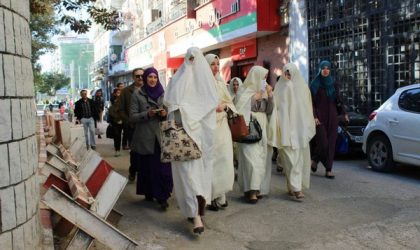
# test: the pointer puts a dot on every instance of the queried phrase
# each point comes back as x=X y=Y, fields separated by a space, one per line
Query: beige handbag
x=176 y=144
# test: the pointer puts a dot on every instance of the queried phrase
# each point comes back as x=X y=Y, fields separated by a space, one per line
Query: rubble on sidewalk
x=79 y=191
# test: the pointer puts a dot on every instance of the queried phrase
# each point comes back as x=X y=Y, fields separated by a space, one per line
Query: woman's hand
x=221 y=107
x=346 y=118
x=317 y=122
x=269 y=90
x=258 y=96
x=151 y=113
x=163 y=113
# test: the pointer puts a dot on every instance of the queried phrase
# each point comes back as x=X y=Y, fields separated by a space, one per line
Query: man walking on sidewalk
x=86 y=113
x=125 y=99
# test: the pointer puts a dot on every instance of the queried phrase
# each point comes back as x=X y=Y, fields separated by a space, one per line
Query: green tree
x=46 y=18
x=105 y=17
x=50 y=82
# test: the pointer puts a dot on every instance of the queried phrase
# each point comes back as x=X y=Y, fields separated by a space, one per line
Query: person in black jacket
x=86 y=113
x=100 y=106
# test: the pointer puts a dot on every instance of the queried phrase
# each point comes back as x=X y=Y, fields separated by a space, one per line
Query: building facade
x=373 y=45
x=158 y=33
x=75 y=57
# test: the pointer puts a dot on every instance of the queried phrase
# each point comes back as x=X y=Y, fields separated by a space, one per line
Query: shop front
x=235 y=30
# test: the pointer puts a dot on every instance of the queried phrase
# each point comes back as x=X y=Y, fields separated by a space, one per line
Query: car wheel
x=379 y=154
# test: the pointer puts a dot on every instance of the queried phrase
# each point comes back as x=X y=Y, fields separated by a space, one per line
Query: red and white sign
x=244 y=50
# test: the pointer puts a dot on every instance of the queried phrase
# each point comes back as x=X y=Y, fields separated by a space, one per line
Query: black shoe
x=213 y=206
x=190 y=219
x=164 y=205
x=131 y=177
x=224 y=205
x=198 y=230
x=148 y=198
x=93 y=147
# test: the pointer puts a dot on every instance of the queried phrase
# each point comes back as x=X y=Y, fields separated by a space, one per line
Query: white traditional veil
x=222 y=90
x=192 y=91
x=252 y=85
x=294 y=110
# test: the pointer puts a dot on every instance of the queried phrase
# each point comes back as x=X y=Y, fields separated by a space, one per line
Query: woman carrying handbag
x=254 y=159
x=192 y=99
x=223 y=171
x=154 y=178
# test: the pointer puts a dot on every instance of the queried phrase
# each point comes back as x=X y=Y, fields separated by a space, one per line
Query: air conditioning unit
x=155 y=14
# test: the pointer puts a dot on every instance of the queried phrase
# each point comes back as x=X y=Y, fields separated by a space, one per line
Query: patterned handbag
x=176 y=144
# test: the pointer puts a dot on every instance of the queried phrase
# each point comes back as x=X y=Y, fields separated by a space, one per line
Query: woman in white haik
x=296 y=127
x=223 y=172
x=192 y=99
x=235 y=89
x=254 y=160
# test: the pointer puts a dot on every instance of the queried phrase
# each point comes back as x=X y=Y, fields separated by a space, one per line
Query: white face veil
x=252 y=85
x=222 y=90
x=192 y=91
x=192 y=87
x=240 y=89
x=294 y=109
x=210 y=59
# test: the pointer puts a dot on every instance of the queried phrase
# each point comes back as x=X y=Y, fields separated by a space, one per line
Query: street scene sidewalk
x=359 y=209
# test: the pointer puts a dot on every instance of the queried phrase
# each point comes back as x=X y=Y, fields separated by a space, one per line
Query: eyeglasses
x=139 y=76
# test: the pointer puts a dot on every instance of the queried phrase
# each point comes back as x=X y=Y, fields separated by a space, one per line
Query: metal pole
x=79 y=78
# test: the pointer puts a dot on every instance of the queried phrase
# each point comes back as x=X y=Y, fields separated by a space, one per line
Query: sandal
x=213 y=206
x=253 y=199
x=298 y=196
x=329 y=175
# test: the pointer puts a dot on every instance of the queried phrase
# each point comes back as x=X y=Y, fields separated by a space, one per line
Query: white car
x=393 y=132
x=40 y=109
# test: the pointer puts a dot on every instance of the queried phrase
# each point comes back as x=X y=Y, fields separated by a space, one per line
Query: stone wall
x=19 y=190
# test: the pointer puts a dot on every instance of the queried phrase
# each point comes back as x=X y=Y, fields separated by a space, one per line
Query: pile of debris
x=79 y=192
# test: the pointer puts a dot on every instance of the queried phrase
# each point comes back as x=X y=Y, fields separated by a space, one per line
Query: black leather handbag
x=255 y=132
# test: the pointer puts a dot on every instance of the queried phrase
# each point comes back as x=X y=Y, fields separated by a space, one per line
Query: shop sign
x=244 y=50
x=140 y=54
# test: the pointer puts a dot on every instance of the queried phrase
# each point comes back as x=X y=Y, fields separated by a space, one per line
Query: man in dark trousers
x=125 y=99
x=86 y=114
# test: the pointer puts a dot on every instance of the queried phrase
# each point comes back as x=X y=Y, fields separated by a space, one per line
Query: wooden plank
x=78 y=149
x=58 y=182
x=86 y=220
x=59 y=163
x=88 y=165
x=105 y=200
x=109 y=193
x=81 y=240
x=53 y=149
x=99 y=176
x=48 y=169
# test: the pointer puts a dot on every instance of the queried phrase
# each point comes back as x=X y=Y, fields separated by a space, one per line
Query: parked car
x=40 y=109
x=350 y=136
x=393 y=132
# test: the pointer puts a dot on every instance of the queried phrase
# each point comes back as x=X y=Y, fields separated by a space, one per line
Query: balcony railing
x=154 y=26
x=201 y=2
x=177 y=11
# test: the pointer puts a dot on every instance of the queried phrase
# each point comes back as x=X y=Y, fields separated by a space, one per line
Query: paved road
x=360 y=209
